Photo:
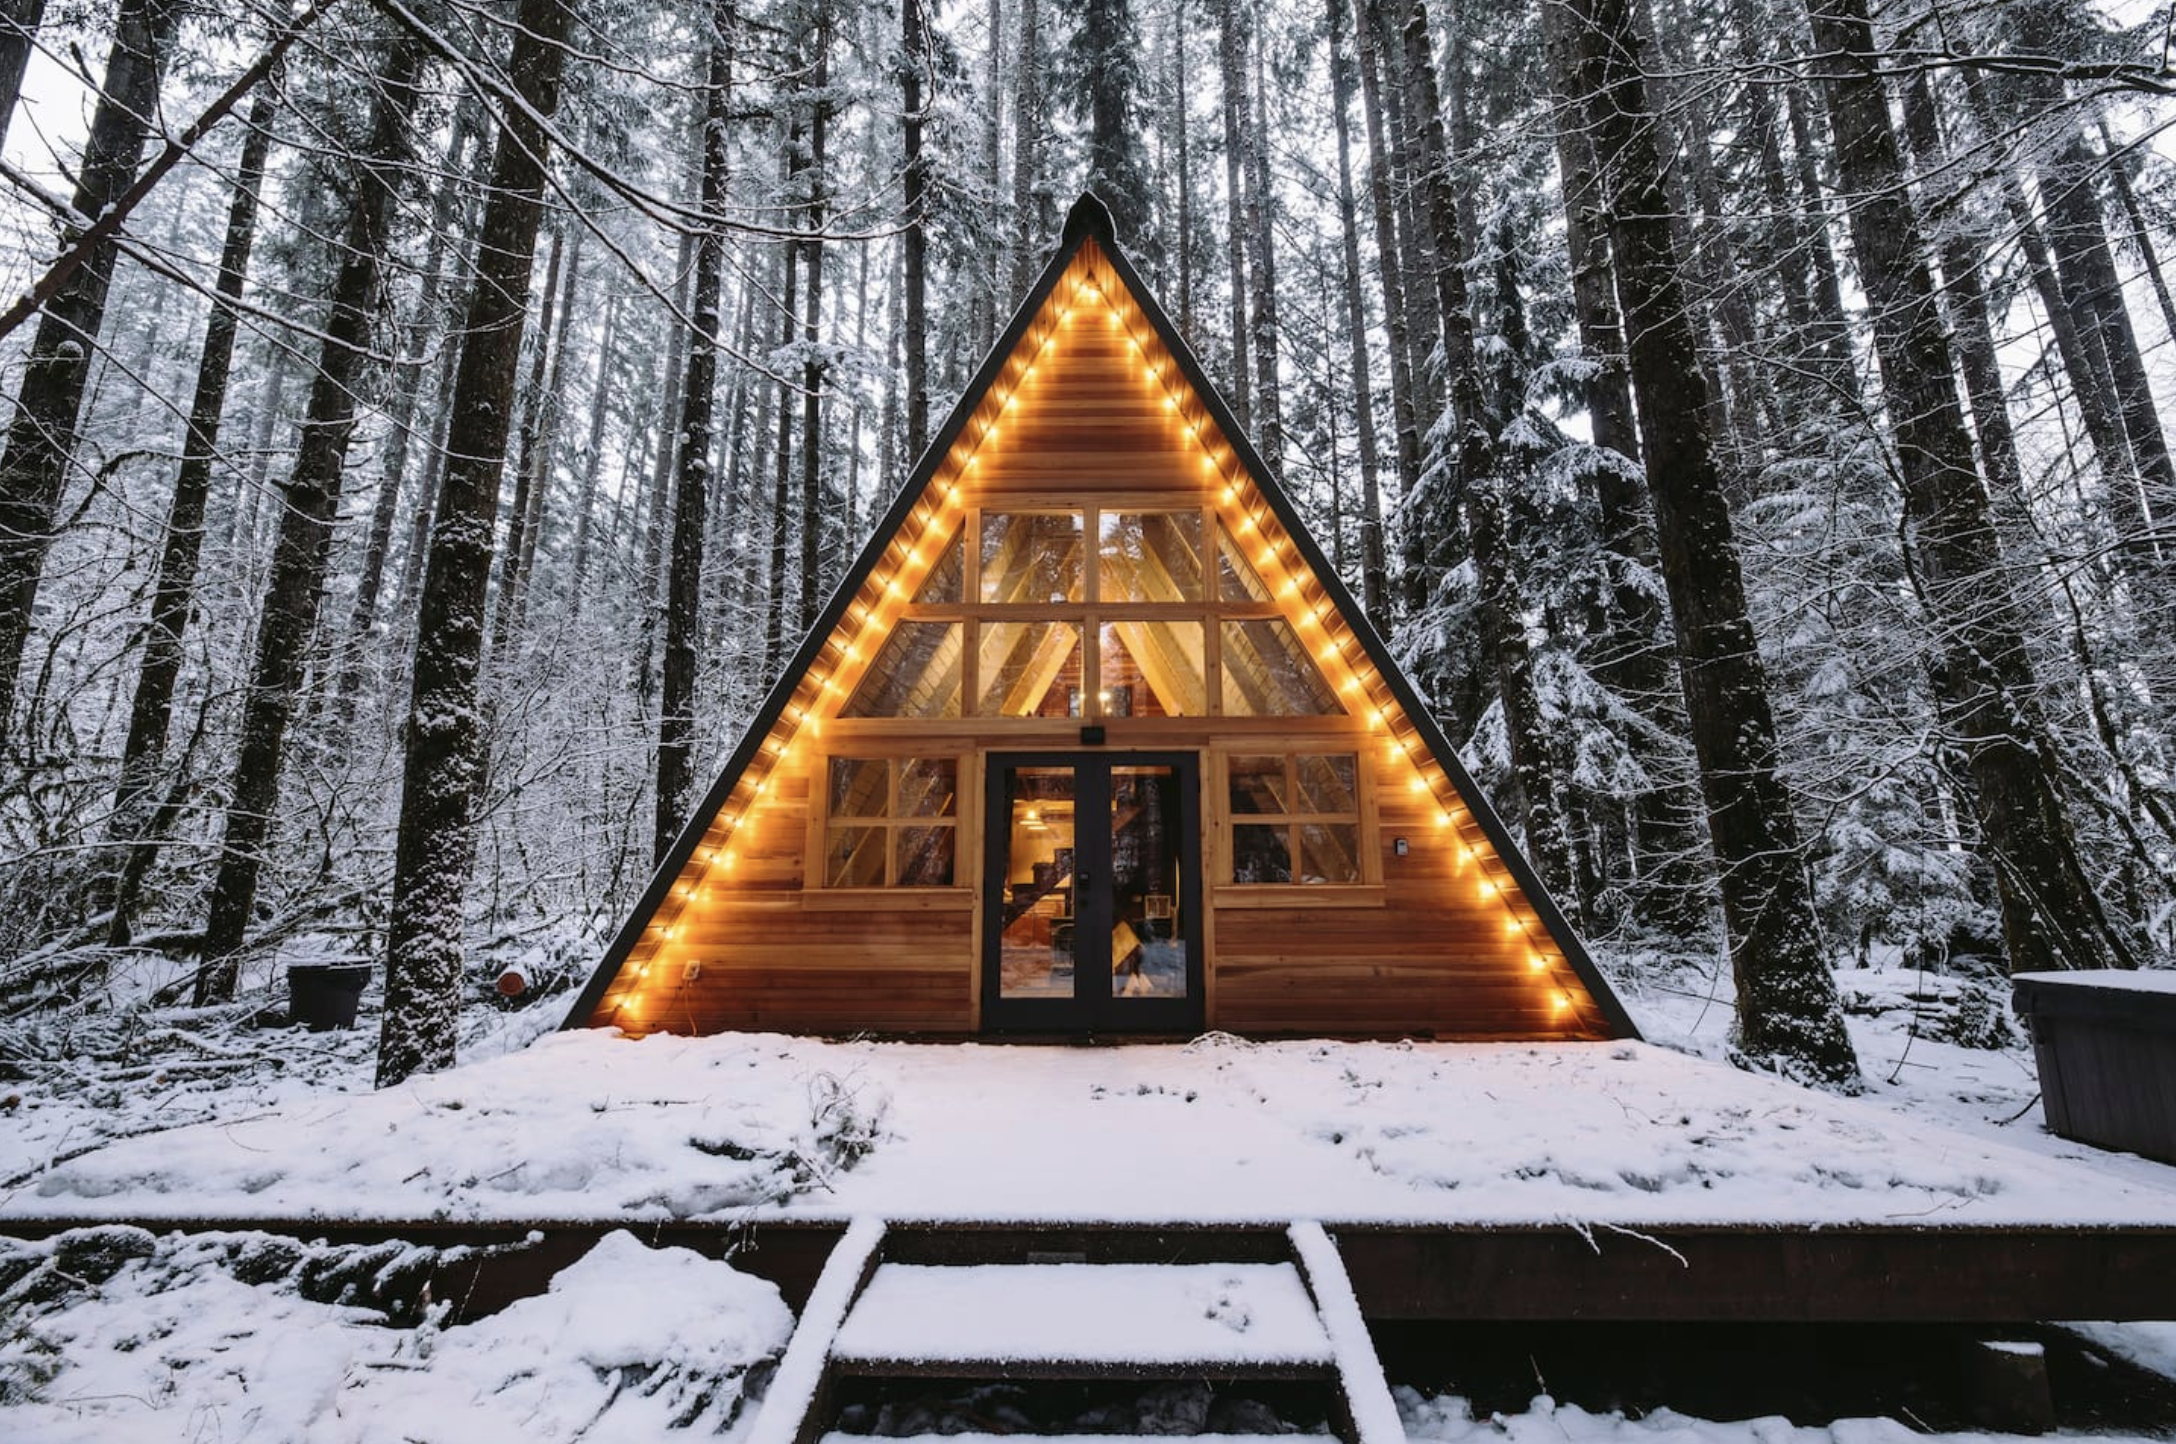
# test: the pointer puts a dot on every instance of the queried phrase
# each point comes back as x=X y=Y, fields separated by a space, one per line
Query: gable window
x=1092 y=612
x=1295 y=817
x=890 y=821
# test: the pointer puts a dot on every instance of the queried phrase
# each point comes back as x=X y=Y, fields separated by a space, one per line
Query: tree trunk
x=19 y=21
x=303 y=542
x=914 y=20
x=409 y=383
x=1673 y=892
x=1831 y=326
x=2051 y=910
x=1027 y=128
x=600 y=410
x=2119 y=176
x=1262 y=251
x=2091 y=385
x=1367 y=47
x=1479 y=488
x=1962 y=256
x=813 y=368
x=174 y=593
x=684 y=588
x=435 y=849
x=42 y=437
x=530 y=470
x=1374 y=585
x=1789 y=1015
x=1230 y=45
x=1183 y=143
x=544 y=449
x=774 y=607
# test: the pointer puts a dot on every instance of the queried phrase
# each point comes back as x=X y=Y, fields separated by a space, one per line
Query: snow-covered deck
x=585 y=1127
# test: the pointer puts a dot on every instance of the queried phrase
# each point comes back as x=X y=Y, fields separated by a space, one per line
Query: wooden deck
x=1541 y=1272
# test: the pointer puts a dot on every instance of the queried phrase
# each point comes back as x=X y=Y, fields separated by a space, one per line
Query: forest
x=432 y=423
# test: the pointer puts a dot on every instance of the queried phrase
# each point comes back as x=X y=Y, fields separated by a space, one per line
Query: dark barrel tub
x=2105 y=1043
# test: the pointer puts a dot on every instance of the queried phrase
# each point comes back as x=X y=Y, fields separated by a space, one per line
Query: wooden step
x=1066 y=1320
x=836 y=1437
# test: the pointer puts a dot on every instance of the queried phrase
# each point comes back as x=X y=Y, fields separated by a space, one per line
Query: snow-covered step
x=1059 y=1320
x=840 y=1438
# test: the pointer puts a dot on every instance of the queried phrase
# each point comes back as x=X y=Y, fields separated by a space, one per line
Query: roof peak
x=1089 y=217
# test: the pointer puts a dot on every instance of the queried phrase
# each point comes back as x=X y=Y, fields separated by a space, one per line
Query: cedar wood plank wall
x=1424 y=953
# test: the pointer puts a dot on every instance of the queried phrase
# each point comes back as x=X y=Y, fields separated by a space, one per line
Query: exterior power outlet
x=692 y=971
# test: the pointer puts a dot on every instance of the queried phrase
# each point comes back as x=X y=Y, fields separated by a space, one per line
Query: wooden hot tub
x=2105 y=1044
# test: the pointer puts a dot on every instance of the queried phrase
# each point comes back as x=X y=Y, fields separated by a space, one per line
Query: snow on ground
x=158 y=1116
x=628 y=1343
x=585 y=1124
x=1101 y=1313
x=1449 y=1419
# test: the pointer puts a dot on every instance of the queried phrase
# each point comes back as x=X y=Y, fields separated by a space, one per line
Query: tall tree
x=42 y=436
x=173 y=595
x=676 y=704
x=814 y=367
x=435 y=847
x=1231 y=62
x=2052 y=914
x=1106 y=92
x=295 y=587
x=1374 y=586
x=1478 y=493
x=914 y=244
x=1789 y=1015
x=19 y=21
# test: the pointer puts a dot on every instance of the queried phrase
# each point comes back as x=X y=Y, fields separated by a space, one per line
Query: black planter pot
x=322 y=996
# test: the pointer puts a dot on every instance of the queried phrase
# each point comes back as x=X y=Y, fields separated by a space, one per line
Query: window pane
x=1035 y=949
x=859 y=787
x=1028 y=669
x=1236 y=580
x=1257 y=786
x=1031 y=557
x=1329 y=852
x=1268 y=674
x=943 y=582
x=854 y=856
x=1149 y=557
x=1261 y=854
x=925 y=856
x=916 y=674
x=927 y=786
x=1329 y=784
x=1152 y=669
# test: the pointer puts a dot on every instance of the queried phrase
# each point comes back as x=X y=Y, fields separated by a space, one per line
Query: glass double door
x=1092 y=912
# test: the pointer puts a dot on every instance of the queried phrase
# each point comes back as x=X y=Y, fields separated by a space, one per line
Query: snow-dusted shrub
x=233 y=1329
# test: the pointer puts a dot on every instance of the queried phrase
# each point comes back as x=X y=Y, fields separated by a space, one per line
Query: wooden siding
x=1434 y=943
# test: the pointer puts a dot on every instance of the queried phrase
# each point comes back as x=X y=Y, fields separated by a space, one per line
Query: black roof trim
x=1089 y=218
x=834 y=612
x=1409 y=701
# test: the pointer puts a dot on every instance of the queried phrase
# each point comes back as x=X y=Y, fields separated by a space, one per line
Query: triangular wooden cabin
x=1092 y=740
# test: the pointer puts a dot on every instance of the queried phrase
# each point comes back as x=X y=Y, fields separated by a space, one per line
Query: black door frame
x=1096 y=1010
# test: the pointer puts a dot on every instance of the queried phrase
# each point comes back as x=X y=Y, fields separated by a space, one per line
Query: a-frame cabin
x=1092 y=740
